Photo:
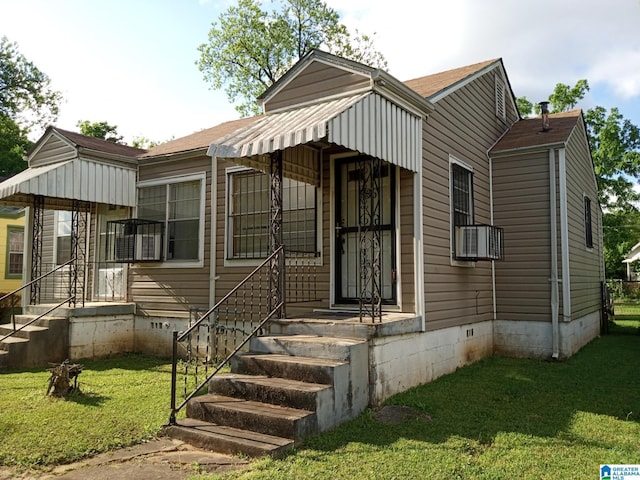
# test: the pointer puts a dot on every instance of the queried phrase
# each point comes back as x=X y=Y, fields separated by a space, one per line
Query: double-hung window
x=179 y=204
x=63 y=237
x=248 y=215
x=461 y=191
x=15 y=249
x=588 y=229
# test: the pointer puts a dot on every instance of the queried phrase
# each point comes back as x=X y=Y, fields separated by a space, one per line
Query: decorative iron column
x=275 y=232
x=77 y=269
x=37 y=222
x=370 y=236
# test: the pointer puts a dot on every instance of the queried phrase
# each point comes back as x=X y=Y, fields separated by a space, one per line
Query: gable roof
x=528 y=133
x=198 y=140
x=97 y=144
x=429 y=85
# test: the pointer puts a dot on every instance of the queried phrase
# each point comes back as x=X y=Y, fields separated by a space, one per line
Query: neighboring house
x=11 y=248
x=630 y=260
x=426 y=209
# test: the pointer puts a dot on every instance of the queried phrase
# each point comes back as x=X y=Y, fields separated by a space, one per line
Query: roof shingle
x=528 y=133
x=98 y=144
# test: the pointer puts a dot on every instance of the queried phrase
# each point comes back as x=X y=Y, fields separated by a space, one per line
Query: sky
x=132 y=63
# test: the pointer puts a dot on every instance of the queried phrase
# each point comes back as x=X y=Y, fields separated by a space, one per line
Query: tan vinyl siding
x=464 y=125
x=160 y=291
x=233 y=272
x=406 y=258
x=585 y=264
x=317 y=81
x=521 y=207
x=52 y=151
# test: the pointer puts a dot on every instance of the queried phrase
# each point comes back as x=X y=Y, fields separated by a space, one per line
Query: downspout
x=564 y=237
x=418 y=247
x=554 y=256
x=493 y=262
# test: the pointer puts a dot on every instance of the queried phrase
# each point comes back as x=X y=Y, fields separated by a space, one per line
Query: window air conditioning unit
x=142 y=247
x=478 y=242
x=148 y=247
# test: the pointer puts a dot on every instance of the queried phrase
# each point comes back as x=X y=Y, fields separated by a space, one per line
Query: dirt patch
x=396 y=414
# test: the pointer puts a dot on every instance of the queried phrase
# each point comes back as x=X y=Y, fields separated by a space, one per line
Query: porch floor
x=348 y=324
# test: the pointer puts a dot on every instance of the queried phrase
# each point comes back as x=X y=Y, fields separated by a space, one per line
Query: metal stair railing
x=216 y=336
x=13 y=296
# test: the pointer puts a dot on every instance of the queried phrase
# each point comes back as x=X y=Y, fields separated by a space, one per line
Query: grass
x=122 y=401
x=499 y=418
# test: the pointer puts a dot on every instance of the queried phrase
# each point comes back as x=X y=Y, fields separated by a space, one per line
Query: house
x=366 y=233
x=11 y=247
x=632 y=257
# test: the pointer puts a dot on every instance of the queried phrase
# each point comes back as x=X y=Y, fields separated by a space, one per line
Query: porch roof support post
x=275 y=232
x=37 y=224
x=370 y=241
x=78 y=242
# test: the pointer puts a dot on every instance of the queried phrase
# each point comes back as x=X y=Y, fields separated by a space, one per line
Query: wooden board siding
x=464 y=125
x=52 y=151
x=317 y=81
x=163 y=291
x=585 y=264
x=521 y=207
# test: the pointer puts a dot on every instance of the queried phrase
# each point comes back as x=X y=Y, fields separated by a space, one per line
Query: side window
x=588 y=229
x=462 y=193
x=15 y=248
x=178 y=205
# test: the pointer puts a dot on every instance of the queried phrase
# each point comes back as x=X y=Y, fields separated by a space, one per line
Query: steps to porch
x=44 y=341
x=285 y=388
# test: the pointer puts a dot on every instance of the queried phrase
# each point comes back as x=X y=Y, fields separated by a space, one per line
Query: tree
x=26 y=96
x=13 y=145
x=615 y=148
x=250 y=48
x=143 y=142
x=100 y=130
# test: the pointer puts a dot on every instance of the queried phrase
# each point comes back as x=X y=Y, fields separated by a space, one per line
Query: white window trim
x=254 y=262
x=453 y=262
x=202 y=177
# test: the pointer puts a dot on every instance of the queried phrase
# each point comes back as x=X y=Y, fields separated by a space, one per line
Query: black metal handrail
x=220 y=308
x=31 y=322
x=35 y=280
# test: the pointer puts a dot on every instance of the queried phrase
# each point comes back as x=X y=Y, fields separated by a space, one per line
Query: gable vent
x=501 y=110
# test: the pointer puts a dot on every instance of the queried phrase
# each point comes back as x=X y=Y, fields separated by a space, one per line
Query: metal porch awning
x=75 y=179
x=367 y=123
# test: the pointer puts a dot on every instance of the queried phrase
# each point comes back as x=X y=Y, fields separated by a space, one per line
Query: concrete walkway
x=163 y=458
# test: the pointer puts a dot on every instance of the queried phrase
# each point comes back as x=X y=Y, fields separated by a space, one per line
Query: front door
x=352 y=224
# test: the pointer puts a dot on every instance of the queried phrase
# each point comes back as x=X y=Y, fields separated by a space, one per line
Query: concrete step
x=273 y=390
x=309 y=346
x=24 y=331
x=229 y=440
x=255 y=416
x=305 y=369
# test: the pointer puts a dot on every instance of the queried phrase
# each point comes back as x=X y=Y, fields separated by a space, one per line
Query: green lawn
x=122 y=401
x=499 y=418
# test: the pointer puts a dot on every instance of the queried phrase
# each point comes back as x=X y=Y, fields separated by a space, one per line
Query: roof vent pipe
x=544 y=109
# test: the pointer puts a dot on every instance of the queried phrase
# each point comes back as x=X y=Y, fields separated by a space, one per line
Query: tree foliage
x=249 y=48
x=100 y=130
x=26 y=96
x=13 y=145
x=615 y=148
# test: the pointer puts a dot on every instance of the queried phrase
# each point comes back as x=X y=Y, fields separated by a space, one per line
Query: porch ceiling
x=75 y=179
x=367 y=123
